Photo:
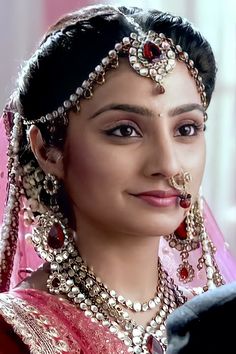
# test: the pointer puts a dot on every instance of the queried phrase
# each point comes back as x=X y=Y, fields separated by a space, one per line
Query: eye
x=123 y=131
x=189 y=129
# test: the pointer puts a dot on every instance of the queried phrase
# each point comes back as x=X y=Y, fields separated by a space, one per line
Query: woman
x=106 y=154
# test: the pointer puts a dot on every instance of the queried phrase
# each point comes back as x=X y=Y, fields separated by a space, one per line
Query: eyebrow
x=186 y=108
x=144 y=111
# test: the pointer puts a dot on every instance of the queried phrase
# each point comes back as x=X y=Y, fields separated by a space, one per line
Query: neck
x=125 y=263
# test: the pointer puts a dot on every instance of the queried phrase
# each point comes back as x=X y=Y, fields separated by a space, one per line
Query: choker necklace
x=80 y=285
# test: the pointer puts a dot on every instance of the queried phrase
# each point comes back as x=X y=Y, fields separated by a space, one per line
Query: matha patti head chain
x=152 y=55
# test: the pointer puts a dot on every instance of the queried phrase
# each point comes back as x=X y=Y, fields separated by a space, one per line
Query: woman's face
x=128 y=140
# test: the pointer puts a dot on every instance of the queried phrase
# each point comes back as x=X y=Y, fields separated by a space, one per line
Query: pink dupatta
x=58 y=328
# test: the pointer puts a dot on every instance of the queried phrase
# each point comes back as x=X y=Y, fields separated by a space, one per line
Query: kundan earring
x=52 y=238
x=185 y=239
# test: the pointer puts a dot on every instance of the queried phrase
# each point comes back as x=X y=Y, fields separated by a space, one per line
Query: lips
x=160 y=193
x=159 y=198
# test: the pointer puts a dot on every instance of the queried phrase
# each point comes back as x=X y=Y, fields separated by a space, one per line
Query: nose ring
x=179 y=182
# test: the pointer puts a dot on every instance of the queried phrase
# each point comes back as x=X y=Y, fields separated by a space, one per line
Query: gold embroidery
x=33 y=328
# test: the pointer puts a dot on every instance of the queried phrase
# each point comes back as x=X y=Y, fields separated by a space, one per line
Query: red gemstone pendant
x=154 y=347
x=56 y=236
x=55 y=282
x=185 y=202
x=151 y=51
x=184 y=273
x=181 y=232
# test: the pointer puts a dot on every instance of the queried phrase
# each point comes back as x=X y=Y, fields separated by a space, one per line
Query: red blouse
x=10 y=343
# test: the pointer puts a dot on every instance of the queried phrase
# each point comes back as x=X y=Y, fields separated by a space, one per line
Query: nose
x=162 y=158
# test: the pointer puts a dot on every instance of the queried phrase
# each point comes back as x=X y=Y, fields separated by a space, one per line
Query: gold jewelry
x=207 y=260
x=53 y=241
x=179 y=182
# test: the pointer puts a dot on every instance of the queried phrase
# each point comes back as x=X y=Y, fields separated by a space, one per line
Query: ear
x=50 y=159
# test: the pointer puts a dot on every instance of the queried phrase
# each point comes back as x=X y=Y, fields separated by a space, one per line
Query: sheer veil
x=27 y=260
x=224 y=258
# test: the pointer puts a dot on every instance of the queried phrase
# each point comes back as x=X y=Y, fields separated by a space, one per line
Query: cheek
x=83 y=167
x=200 y=160
x=191 y=159
x=196 y=165
x=95 y=169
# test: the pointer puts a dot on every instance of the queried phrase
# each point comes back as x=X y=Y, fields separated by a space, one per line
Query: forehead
x=124 y=85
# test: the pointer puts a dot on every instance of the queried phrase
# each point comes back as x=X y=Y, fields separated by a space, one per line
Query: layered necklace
x=74 y=279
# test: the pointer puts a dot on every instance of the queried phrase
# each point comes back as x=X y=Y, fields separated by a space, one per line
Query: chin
x=151 y=229
x=161 y=226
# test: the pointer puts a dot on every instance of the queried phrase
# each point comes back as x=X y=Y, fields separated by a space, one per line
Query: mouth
x=159 y=198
